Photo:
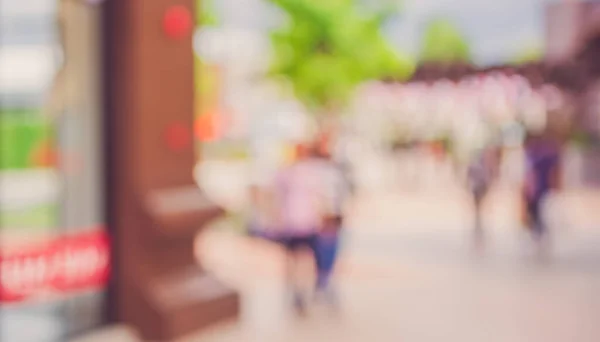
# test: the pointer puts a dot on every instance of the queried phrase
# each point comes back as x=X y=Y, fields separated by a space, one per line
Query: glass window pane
x=51 y=165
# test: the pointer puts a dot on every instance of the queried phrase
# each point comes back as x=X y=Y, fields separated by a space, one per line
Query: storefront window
x=53 y=250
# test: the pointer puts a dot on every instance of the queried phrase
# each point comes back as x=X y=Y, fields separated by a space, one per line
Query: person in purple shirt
x=543 y=176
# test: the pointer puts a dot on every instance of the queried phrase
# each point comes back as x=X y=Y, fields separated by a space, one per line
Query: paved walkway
x=408 y=273
x=411 y=275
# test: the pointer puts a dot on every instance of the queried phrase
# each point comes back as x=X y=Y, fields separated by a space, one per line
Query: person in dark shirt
x=543 y=176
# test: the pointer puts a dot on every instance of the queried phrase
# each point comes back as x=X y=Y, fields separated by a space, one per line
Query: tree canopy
x=444 y=42
x=328 y=47
x=205 y=13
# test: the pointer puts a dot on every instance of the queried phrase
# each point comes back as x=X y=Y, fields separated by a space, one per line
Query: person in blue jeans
x=327 y=247
x=336 y=189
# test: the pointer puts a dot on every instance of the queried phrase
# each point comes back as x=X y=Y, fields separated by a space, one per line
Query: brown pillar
x=155 y=207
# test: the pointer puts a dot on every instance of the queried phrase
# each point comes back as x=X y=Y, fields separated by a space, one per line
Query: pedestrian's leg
x=321 y=261
x=289 y=272
x=289 y=269
x=537 y=226
x=539 y=230
x=294 y=283
x=478 y=232
x=291 y=265
x=542 y=235
x=323 y=276
x=318 y=263
x=478 y=223
x=328 y=252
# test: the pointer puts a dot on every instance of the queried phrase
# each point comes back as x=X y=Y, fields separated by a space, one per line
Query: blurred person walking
x=481 y=173
x=336 y=187
x=543 y=175
x=299 y=193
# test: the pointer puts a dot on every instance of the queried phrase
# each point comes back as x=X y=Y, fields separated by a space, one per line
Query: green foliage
x=328 y=47
x=21 y=131
x=443 y=42
x=205 y=14
x=205 y=17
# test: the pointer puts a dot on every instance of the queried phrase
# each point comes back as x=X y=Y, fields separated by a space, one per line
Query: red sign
x=63 y=265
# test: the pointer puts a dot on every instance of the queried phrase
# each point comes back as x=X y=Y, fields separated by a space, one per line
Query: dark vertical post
x=155 y=207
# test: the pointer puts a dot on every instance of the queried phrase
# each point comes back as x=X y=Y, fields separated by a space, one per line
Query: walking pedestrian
x=481 y=173
x=300 y=197
x=542 y=177
x=336 y=188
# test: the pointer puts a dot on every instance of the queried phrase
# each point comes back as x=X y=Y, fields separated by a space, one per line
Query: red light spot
x=44 y=155
x=178 y=22
x=178 y=136
x=205 y=128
